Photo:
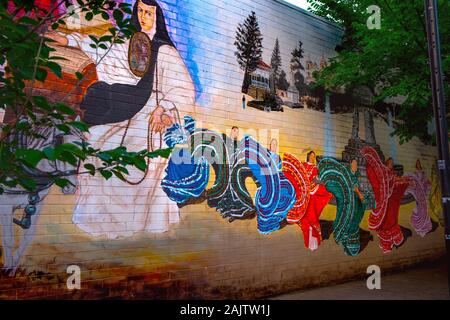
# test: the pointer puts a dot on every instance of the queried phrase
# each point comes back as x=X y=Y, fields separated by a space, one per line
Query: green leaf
x=106 y=174
x=128 y=10
x=91 y=168
x=28 y=183
x=61 y=182
x=41 y=102
x=49 y=153
x=163 y=153
x=124 y=5
x=22 y=125
x=79 y=75
x=140 y=163
x=94 y=39
x=122 y=169
x=27 y=20
x=56 y=68
x=61 y=107
x=30 y=157
x=105 y=39
x=41 y=74
x=104 y=156
x=67 y=157
x=70 y=148
x=79 y=125
x=63 y=128
x=31 y=114
x=118 y=16
x=56 y=116
x=118 y=174
x=89 y=16
x=82 y=144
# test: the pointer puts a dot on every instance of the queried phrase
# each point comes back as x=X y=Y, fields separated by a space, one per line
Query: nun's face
x=146 y=15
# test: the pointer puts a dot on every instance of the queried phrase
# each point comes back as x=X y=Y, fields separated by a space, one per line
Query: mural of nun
x=140 y=93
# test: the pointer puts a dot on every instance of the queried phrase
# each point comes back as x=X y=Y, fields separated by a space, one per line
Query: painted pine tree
x=275 y=62
x=278 y=74
x=249 y=47
x=297 y=68
x=282 y=82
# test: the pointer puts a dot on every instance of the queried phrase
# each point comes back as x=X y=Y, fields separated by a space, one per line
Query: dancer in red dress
x=319 y=198
x=389 y=190
x=390 y=233
x=296 y=173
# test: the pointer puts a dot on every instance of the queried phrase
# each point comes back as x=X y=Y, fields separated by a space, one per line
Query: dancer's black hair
x=309 y=153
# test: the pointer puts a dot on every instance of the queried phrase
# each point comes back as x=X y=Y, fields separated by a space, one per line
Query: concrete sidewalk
x=425 y=283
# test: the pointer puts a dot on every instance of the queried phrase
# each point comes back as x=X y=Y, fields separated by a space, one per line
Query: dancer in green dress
x=351 y=242
x=343 y=183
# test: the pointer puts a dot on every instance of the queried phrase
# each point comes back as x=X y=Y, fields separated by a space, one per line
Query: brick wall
x=200 y=254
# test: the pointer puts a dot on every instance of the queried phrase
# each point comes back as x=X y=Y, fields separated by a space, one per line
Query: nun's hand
x=160 y=120
x=156 y=123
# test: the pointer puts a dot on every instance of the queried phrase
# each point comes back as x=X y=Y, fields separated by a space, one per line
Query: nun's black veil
x=105 y=103
x=161 y=31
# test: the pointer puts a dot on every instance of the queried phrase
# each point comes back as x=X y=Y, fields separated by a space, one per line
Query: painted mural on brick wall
x=147 y=92
x=266 y=85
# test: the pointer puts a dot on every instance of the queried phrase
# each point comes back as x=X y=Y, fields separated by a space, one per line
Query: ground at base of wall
x=423 y=282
